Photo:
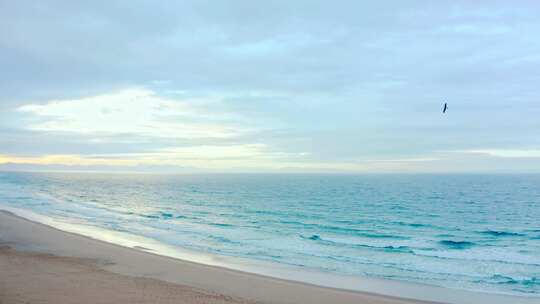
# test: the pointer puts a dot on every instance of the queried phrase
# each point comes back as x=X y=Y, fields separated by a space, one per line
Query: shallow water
x=475 y=232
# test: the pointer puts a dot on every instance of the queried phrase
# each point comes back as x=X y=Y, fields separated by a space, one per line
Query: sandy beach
x=40 y=264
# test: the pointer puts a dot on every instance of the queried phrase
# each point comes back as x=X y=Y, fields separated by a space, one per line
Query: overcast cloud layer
x=301 y=86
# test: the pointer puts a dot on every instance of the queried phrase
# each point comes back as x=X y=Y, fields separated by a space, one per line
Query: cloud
x=301 y=85
x=130 y=111
x=241 y=152
x=506 y=153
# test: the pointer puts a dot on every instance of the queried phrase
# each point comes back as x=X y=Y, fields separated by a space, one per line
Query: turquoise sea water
x=474 y=232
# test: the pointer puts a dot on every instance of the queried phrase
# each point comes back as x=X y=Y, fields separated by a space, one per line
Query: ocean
x=471 y=232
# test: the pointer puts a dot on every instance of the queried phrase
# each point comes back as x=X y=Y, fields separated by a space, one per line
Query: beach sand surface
x=40 y=264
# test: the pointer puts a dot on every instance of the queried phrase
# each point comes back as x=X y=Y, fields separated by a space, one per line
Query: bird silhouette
x=445 y=107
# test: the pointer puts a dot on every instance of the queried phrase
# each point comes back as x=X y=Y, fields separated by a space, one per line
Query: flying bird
x=445 y=107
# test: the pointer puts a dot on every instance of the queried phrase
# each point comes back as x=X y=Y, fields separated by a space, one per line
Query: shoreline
x=27 y=235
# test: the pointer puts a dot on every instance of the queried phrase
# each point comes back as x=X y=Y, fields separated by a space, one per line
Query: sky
x=270 y=86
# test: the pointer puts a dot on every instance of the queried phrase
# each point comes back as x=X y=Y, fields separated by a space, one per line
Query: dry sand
x=44 y=278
